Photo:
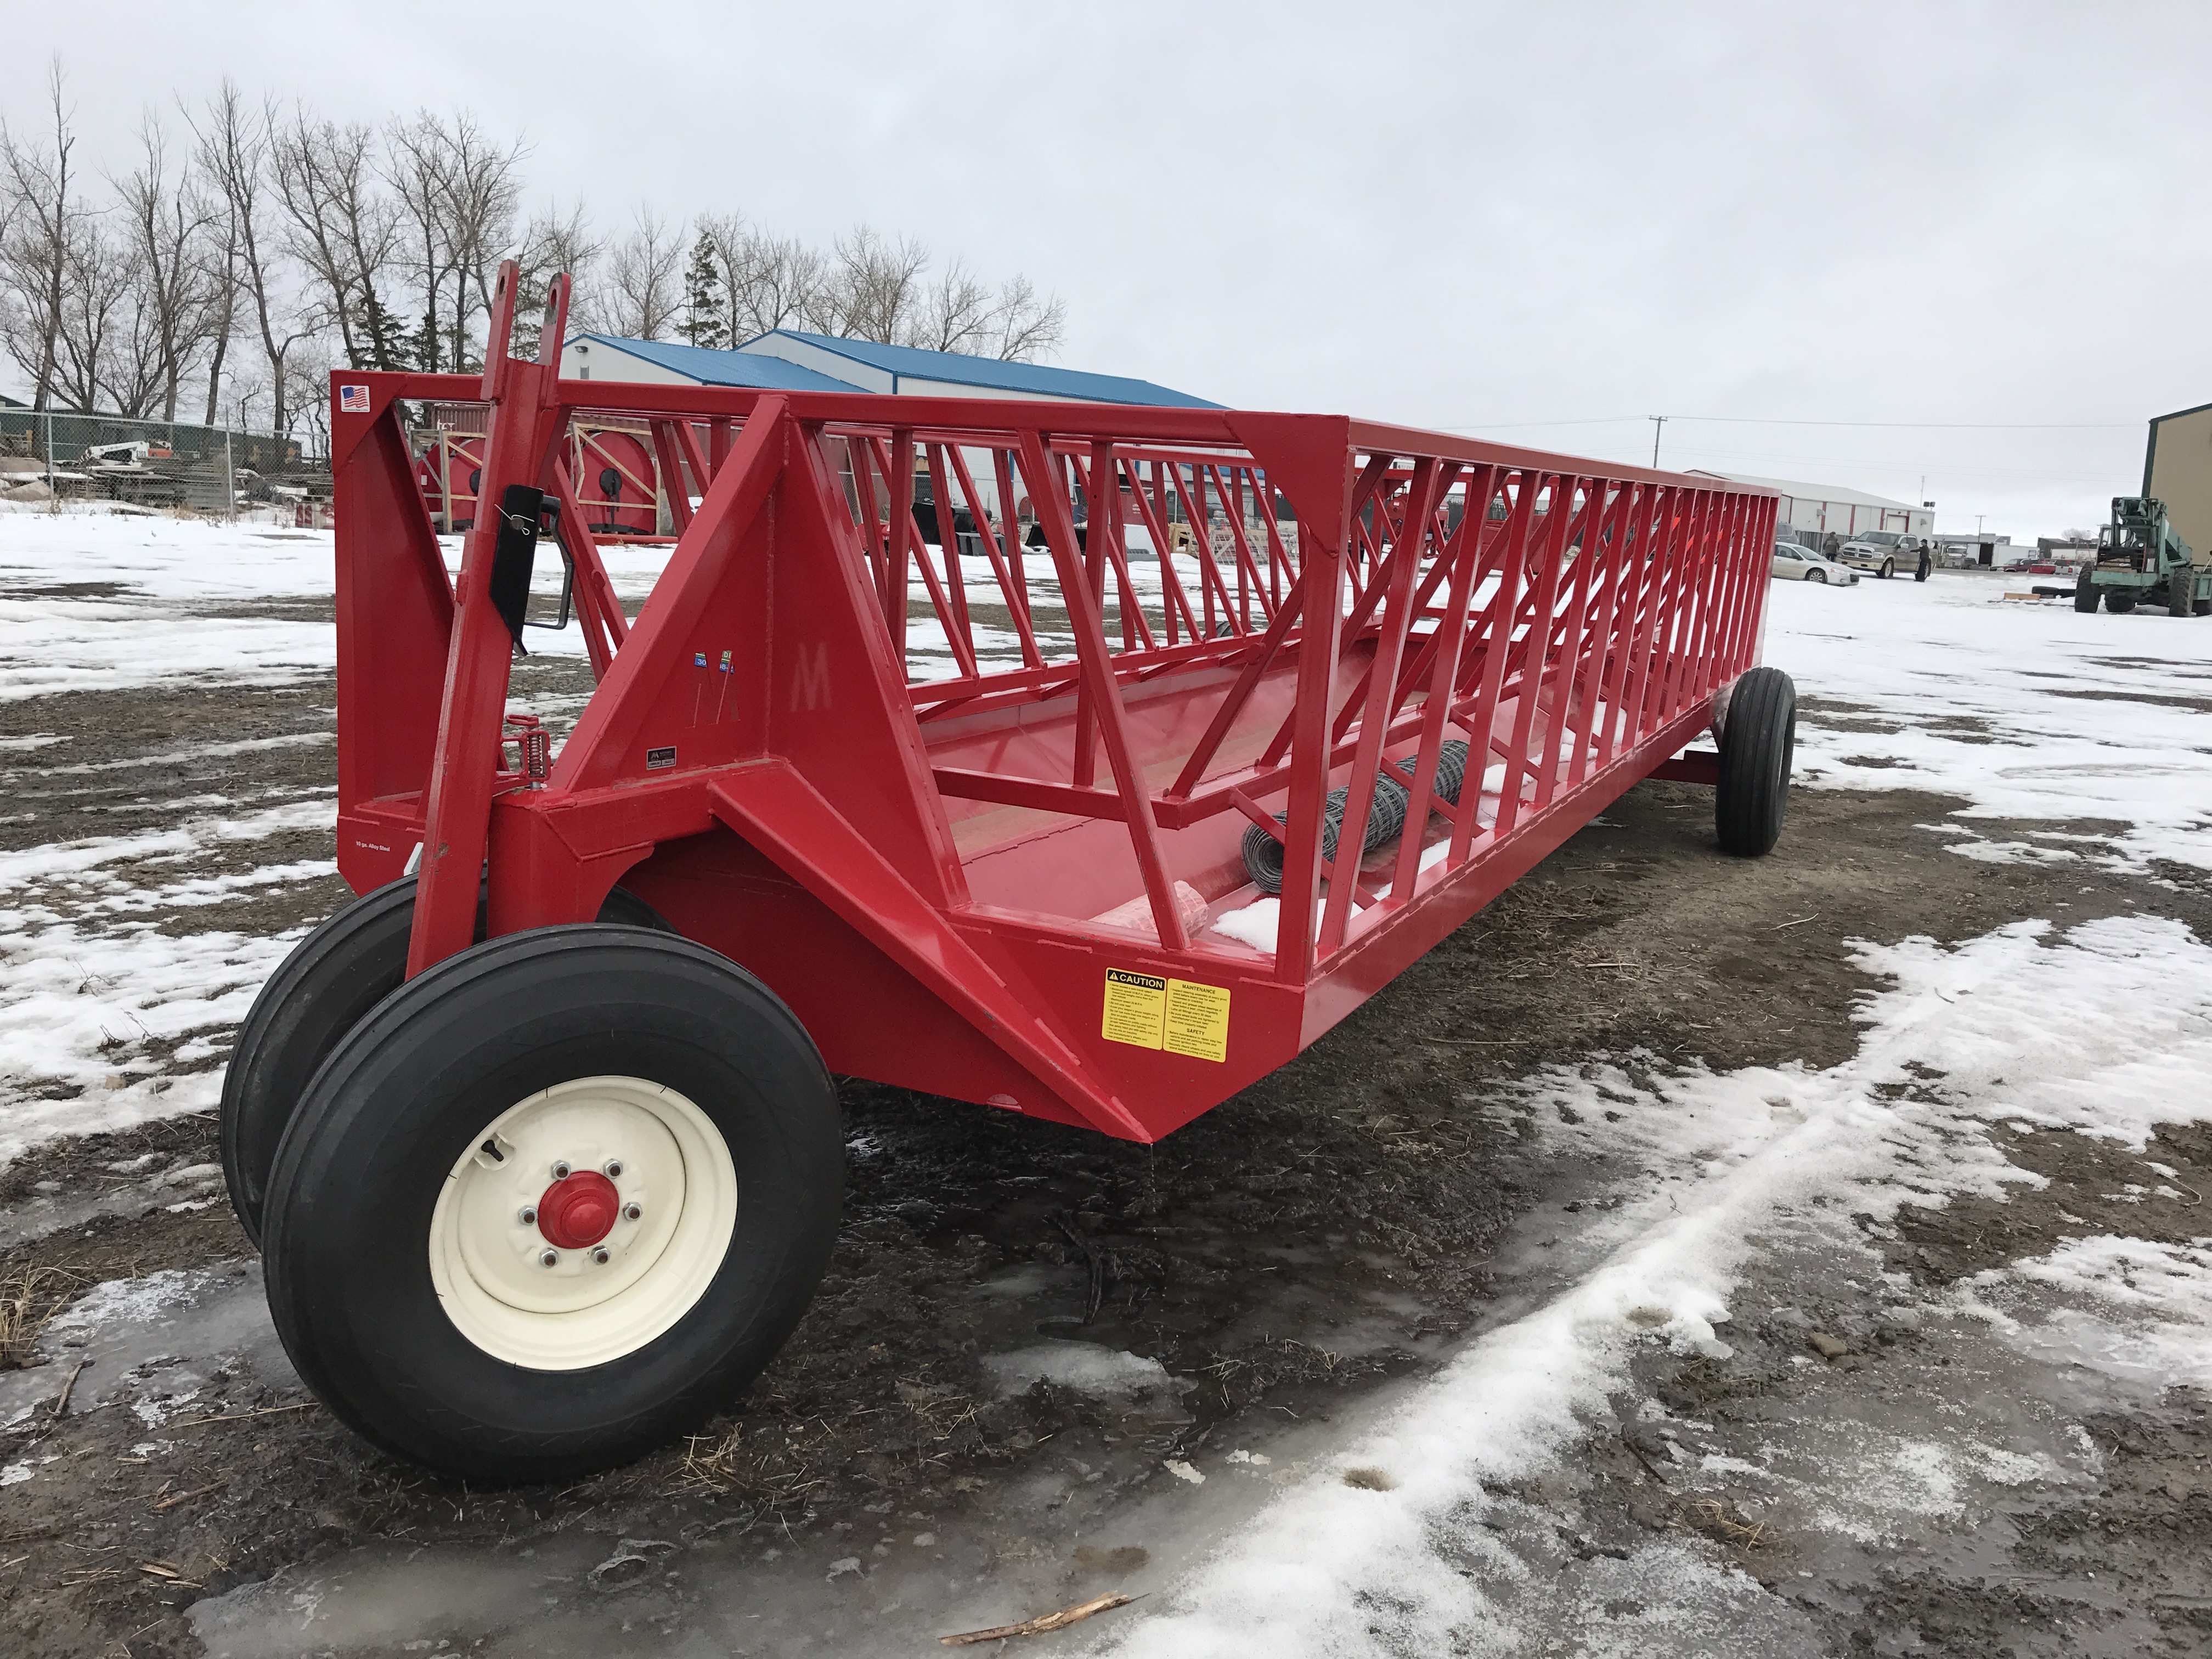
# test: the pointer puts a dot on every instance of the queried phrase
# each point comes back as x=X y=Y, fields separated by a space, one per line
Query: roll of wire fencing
x=1386 y=819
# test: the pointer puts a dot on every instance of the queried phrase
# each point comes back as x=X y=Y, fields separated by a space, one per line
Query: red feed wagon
x=540 y=1144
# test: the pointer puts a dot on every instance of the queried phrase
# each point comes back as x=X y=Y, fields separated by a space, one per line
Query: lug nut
x=632 y=1212
x=560 y=1170
x=529 y=1215
x=601 y=1256
x=612 y=1168
x=549 y=1258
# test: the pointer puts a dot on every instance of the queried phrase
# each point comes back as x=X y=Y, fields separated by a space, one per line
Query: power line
x=1753 y=420
x=1935 y=426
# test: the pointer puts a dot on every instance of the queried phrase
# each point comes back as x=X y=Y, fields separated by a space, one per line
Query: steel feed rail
x=915 y=863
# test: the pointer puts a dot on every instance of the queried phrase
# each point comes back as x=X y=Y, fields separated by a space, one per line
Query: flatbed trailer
x=538 y=1137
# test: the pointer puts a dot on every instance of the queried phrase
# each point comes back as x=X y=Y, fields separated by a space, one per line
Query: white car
x=1807 y=564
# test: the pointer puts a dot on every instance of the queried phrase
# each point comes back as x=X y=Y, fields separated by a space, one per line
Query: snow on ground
x=2027 y=710
x=1731 y=1162
x=168 y=609
x=93 y=970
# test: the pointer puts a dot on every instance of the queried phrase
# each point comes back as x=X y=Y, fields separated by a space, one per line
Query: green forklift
x=2140 y=558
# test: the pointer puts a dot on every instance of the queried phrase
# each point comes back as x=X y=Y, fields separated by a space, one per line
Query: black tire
x=405 y=1094
x=2119 y=601
x=1758 y=747
x=1888 y=569
x=2202 y=608
x=2181 y=593
x=1820 y=576
x=2085 y=592
x=333 y=977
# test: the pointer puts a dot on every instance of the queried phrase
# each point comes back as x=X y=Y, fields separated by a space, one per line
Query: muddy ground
x=1286 y=1259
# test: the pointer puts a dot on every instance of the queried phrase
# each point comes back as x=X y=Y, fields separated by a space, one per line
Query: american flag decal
x=353 y=400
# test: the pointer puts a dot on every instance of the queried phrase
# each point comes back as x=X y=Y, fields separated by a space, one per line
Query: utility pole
x=1978 y=517
x=1658 y=427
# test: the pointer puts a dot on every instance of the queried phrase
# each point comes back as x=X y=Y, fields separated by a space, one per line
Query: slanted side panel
x=835 y=696
x=395 y=618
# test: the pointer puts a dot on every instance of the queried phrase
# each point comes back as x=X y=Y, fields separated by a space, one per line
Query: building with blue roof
x=909 y=371
x=790 y=360
x=664 y=362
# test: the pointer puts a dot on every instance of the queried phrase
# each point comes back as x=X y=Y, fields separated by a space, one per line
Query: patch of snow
x=1723 y=1167
x=1987 y=702
x=2125 y=1307
x=1085 y=1367
x=128 y=1301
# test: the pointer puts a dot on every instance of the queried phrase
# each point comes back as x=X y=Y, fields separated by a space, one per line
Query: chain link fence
x=50 y=456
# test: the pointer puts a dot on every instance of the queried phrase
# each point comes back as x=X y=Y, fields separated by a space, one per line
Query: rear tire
x=2117 y=602
x=1758 y=747
x=2181 y=593
x=333 y=977
x=2085 y=592
x=406 y=1261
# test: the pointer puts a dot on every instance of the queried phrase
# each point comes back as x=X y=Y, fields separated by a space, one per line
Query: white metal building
x=1820 y=508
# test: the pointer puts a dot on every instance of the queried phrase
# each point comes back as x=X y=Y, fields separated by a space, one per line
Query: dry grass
x=777 y=1464
x=29 y=1299
x=1715 y=1519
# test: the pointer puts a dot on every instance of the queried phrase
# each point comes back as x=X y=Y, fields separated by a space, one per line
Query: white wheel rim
x=671 y=1165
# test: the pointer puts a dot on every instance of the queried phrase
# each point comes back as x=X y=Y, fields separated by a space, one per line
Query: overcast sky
x=1465 y=216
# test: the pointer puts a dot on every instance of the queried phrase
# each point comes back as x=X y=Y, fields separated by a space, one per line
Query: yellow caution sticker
x=1177 y=1015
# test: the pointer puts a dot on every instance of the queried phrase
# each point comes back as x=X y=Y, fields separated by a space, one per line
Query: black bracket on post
x=525 y=512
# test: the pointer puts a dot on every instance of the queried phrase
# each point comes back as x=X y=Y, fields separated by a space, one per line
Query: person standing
x=1927 y=560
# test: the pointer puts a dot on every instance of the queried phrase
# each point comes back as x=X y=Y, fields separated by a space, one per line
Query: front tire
x=1758 y=745
x=2118 y=601
x=553 y=1203
x=1888 y=569
x=1820 y=576
x=334 y=977
x=2181 y=593
x=2085 y=592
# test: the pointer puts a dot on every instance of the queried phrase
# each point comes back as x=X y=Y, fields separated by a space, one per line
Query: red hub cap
x=578 y=1212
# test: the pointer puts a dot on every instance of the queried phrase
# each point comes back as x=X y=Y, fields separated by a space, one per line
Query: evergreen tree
x=703 y=324
x=424 y=347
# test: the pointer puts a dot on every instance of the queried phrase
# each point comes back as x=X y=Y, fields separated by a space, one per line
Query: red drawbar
x=578 y=1212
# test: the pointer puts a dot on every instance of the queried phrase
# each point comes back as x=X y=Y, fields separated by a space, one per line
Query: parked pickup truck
x=1882 y=551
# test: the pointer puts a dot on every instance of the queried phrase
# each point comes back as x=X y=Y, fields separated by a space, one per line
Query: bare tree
x=483 y=187
x=458 y=193
x=168 y=220
x=34 y=255
x=414 y=168
x=643 y=290
x=220 y=277
x=873 y=289
x=1025 y=327
x=768 y=282
x=233 y=148
x=104 y=354
x=342 y=230
x=551 y=245
x=955 y=314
